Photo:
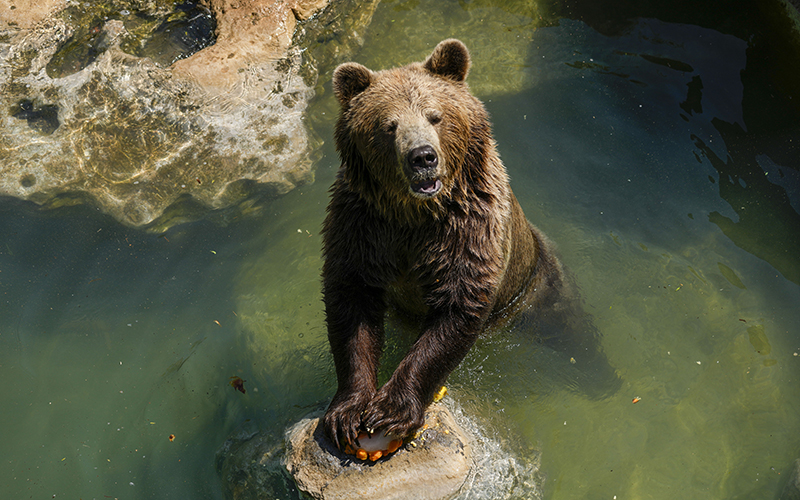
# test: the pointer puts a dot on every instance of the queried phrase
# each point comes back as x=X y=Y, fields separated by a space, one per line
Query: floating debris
x=238 y=384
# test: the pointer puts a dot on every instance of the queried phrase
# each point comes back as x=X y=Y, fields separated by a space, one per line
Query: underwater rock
x=149 y=143
x=44 y=119
x=433 y=466
x=791 y=490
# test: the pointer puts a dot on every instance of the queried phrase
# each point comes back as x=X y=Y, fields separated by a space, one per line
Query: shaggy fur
x=422 y=217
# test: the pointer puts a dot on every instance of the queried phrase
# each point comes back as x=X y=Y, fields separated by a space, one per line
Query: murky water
x=660 y=155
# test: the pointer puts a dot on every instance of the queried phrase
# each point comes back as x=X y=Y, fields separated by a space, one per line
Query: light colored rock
x=25 y=14
x=462 y=464
x=433 y=466
x=248 y=31
x=155 y=146
x=136 y=138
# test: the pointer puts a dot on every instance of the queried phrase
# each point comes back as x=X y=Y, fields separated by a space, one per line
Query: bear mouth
x=426 y=188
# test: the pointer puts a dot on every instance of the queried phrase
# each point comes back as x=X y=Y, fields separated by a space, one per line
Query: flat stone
x=433 y=466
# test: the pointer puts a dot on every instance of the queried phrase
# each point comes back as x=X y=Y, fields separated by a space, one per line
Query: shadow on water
x=765 y=195
x=85 y=255
x=645 y=146
x=761 y=167
x=567 y=348
x=41 y=118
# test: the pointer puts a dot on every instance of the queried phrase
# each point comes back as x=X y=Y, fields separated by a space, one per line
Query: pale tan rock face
x=24 y=14
x=248 y=32
x=452 y=458
x=434 y=466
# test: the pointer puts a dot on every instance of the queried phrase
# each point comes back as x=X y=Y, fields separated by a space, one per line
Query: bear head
x=405 y=135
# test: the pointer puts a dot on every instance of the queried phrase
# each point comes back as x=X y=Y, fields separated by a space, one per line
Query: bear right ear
x=349 y=80
x=449 y=59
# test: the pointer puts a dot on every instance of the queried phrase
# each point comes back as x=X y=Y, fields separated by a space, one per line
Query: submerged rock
x=435 y=465
x=791 y=490
x=44 y=119
x=108 y=108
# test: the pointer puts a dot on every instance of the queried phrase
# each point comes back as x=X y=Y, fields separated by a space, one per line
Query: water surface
x=659 y=153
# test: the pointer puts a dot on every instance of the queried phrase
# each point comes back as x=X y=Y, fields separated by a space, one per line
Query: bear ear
x=349 y=80
x=449 y=59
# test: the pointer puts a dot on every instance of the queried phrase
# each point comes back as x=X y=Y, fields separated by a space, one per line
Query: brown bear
x=422 y=218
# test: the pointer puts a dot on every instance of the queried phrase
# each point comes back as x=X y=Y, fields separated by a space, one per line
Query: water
x=165 y=33
x=661 y=157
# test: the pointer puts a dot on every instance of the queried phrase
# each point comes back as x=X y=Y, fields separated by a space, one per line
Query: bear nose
x=422 y=158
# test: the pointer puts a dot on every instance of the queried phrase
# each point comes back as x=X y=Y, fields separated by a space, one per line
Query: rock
x=25 y=14
x=433 y=466
x=791 y=491
x=462 y=463
x=247 y=31
x=154 y=145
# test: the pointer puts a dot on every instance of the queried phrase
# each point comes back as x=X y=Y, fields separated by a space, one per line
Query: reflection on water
x=767 y=222
x=644 y=148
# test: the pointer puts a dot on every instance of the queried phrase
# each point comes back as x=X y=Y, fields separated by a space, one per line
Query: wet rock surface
x=791 y=490
x=433 y=466
x=150 y=143
x=452 y=458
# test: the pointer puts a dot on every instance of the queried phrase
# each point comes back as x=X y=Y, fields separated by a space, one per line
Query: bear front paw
x=342 y=421
x=392 y=416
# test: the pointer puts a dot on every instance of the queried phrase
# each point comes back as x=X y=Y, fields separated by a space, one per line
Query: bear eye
x=434 y=117
x=390 y=127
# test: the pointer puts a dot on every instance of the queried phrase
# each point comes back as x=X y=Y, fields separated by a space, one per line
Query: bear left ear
x=449 y=59
x=349 y=80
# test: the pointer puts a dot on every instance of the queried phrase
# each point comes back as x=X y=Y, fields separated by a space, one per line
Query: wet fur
x=461 y=260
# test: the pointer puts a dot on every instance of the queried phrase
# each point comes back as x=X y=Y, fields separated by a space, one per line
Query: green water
x=661 y=157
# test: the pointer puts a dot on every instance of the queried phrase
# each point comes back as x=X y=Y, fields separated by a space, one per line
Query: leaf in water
x=697 y=274
x=174 y=367
x=730 y=275
x=238 y=384
x=759 y=339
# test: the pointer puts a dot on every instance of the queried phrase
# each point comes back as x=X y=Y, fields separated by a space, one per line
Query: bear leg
x=355 y=333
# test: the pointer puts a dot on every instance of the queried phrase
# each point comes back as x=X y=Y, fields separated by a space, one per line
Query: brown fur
x=460 y=258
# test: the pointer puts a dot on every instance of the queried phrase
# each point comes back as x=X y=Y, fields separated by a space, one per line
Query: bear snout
x=422 y=159
x=423 y=164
